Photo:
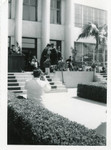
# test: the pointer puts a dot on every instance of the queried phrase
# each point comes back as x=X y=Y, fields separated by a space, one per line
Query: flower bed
x=96 y=91
x=32 y=124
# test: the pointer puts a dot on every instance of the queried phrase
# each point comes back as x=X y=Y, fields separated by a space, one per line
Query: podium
x=16 y=63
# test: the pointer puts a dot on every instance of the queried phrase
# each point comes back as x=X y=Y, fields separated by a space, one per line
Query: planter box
x=73 y=78
x=16 y=63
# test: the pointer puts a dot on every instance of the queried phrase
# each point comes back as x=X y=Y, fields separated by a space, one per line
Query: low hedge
x=32 y=124
x=96 y=91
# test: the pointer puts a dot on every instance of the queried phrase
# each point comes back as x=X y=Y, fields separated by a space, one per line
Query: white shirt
x=36 y=88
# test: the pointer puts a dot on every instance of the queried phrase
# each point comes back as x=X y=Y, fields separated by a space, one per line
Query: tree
x=74 y=53
x=99 y=33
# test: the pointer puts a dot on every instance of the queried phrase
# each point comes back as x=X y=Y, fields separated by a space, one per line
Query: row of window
x=30 y=10
x=31 y=43
x=83 y=14
x=85 y=52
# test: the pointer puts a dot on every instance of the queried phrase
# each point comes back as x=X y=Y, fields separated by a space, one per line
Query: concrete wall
x=72 y=78
x=57 y=32
x=31 y=29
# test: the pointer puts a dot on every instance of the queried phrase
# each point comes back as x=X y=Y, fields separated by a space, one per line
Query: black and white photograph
x=55 y=74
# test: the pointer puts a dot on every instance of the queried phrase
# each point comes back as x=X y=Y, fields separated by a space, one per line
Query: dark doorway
x=29 y=49
x=56 y=43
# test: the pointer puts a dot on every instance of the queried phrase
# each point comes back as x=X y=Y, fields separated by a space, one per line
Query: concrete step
x=13 y=84
x=16 y=82
x=22 y=87
x=58 y=90
x=11 y=77
x=12 y=80
x=14 y=88
x=104 y=75
x=19 y=91
x=20 y=73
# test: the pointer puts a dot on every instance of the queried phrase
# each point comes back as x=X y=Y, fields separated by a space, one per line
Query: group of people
x=15 y=49
x=50 y=57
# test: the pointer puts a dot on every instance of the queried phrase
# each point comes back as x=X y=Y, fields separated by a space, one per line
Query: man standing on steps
x=37 y=86
x=53 y=57
x=44 y=56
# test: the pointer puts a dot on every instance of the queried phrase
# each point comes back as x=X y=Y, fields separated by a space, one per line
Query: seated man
x=37 y=86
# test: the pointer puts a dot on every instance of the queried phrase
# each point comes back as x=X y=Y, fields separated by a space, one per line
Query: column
x=18 y=22
x=69 y=27
x=45 y=22
x=38 y=49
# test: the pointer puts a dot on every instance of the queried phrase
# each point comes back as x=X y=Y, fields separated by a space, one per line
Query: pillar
x=69 y=27
x=45 y=23
x=18 y=22
x=38 y=49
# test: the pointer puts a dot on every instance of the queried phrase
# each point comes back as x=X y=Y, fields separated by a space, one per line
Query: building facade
x=34 y=23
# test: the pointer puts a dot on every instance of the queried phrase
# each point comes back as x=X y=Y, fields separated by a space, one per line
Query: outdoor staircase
x=16 y=82
x=101 y=77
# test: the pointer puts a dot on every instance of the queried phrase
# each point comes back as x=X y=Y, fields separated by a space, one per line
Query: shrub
x=30 y=123
x=96 y=91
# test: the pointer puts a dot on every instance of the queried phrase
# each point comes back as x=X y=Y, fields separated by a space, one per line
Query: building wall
x=57 y=32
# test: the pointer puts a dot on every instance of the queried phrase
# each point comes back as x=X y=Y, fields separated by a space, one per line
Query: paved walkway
x=86 y=112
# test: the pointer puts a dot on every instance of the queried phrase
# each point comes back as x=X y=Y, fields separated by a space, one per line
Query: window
x=100 y=17
x=84 y=52
x=28 y=43
x=30 y=10
x=78 y=15
x=55 y=16
x=78 y=47
x=85 y=14
x=9 y=9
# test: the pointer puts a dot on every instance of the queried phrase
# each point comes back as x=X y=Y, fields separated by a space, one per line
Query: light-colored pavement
x=86 y=112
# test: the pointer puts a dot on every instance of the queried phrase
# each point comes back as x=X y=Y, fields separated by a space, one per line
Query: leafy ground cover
x=31 y=124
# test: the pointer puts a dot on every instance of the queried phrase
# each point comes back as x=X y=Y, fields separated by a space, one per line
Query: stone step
x=13 y=84
x=22 y=87
x=104 y=75
x=51 y=83
x=17 y=76
x=19 y=91
x=12 y=80
x=14 y=88
x=49 y=79
x=11 y=77
x=19 y=73
x=16 y=82
x=58 y=90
